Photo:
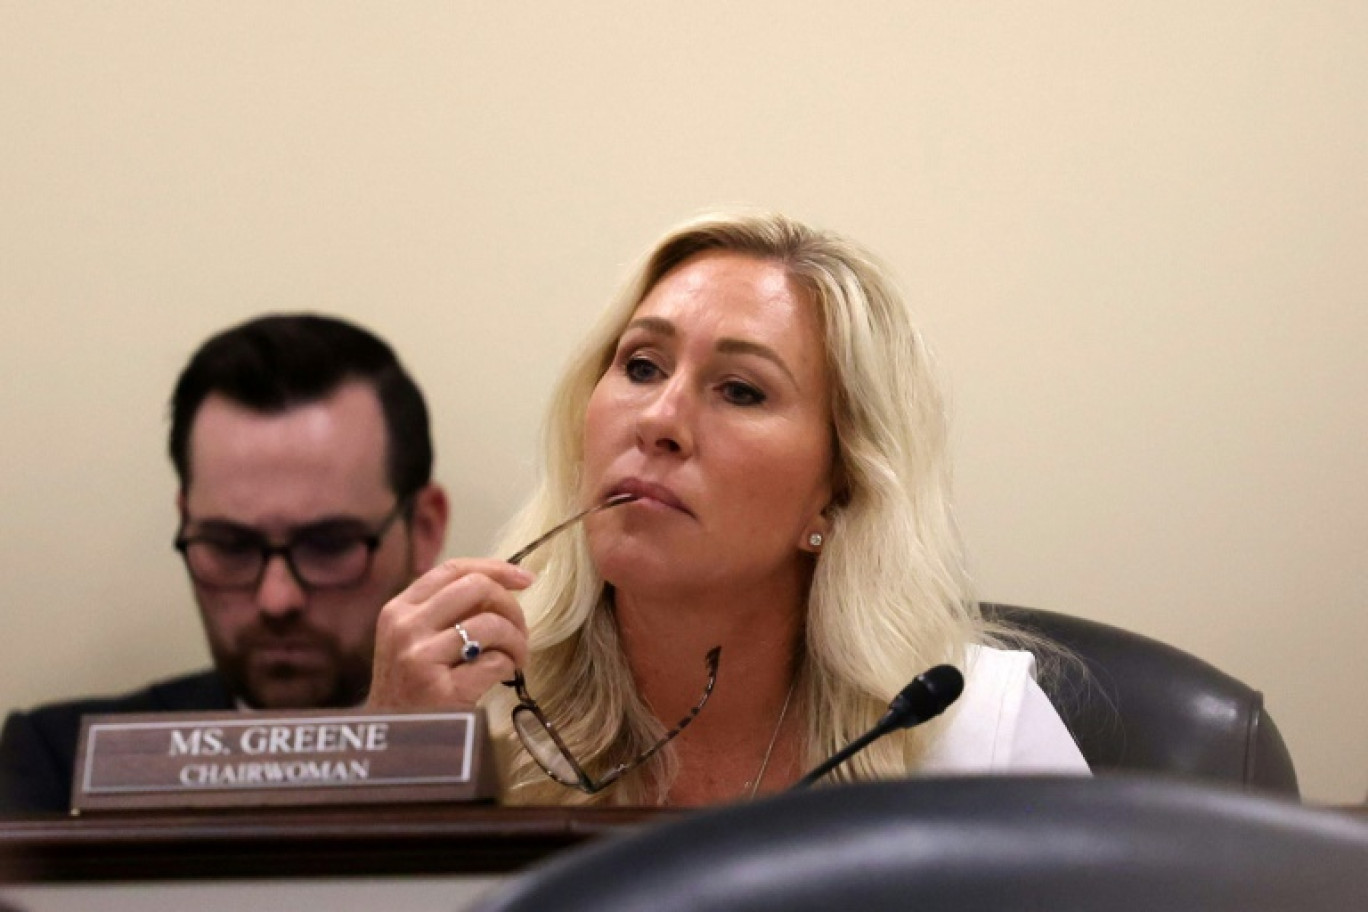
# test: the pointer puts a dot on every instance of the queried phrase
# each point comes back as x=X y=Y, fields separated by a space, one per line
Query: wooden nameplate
x=282 y=758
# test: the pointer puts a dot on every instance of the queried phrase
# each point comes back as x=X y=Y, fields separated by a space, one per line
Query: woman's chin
x=638 y=569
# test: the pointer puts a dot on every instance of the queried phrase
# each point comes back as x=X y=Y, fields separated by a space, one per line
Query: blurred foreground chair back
x=1119 y=843
x=1144 y=705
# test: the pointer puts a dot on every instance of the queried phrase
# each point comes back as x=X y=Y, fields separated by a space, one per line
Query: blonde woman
x=788 y=559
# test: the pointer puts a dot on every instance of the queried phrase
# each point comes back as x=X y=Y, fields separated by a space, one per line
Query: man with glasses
x=306 y=502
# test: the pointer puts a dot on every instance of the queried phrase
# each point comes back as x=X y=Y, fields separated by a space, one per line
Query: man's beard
x=298 y=669
x=324 y=677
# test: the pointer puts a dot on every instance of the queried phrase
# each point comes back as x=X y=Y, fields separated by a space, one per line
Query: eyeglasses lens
x=334 y=563
x=222 y=565
x=539 y=743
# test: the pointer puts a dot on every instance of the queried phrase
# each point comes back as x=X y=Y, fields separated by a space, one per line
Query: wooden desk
x=321 y=842
x=344 y=860
x=414 y=858
x=315 y=842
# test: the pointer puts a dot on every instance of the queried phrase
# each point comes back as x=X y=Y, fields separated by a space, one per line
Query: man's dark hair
x=280 y=361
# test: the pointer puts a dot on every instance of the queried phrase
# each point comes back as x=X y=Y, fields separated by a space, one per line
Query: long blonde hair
x=889 y=596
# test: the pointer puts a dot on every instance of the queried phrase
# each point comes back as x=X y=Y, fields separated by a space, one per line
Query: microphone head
x=926 y=697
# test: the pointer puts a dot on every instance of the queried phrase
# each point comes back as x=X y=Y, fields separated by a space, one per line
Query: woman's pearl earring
x=815 y=539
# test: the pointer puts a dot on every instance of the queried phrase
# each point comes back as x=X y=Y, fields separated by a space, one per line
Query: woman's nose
x=663 y=424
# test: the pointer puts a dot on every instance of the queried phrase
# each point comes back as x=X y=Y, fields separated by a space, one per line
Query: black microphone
x=925 y=698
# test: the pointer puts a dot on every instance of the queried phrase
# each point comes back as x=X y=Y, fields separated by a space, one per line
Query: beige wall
x=1134 y=231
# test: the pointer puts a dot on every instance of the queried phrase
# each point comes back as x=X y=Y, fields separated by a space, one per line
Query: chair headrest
x=1120 y=843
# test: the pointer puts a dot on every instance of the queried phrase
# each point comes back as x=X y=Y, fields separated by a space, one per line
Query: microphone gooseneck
x=924 y=698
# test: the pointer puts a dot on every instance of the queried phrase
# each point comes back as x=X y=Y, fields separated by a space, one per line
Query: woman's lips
x=649 y=491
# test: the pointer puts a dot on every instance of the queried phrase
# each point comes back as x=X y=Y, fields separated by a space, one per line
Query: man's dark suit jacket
x=38 y=748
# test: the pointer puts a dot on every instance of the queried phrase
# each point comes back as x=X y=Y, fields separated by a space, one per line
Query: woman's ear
x=819 y=530
x=815 y=535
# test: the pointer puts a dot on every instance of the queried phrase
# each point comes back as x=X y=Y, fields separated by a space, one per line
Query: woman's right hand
x=418 y=662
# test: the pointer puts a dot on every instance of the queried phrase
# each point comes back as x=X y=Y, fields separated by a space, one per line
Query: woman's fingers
x=495 y=634
x=418 y=651
x=468 y=596
x=448 y=571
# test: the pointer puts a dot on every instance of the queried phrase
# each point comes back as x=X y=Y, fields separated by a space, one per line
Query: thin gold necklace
x=764 y=764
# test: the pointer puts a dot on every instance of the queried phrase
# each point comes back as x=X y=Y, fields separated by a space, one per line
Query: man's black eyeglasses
x=539 y=736
x=334 y=554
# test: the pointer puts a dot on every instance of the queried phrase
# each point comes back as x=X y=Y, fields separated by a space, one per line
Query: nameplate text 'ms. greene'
x=232 y=759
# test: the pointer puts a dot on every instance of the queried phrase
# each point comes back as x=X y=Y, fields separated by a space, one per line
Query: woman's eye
x=639 y=369
x=738 y=393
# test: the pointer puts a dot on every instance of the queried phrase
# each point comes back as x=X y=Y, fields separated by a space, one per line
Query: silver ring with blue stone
x=470 y=649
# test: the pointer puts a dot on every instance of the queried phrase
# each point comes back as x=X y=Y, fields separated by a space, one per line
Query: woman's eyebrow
x=747 y=347
x=657 y=325
x=726 y=346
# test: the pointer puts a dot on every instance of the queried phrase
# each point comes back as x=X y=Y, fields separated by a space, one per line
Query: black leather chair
x=1144 y=705
x=1118 y=843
